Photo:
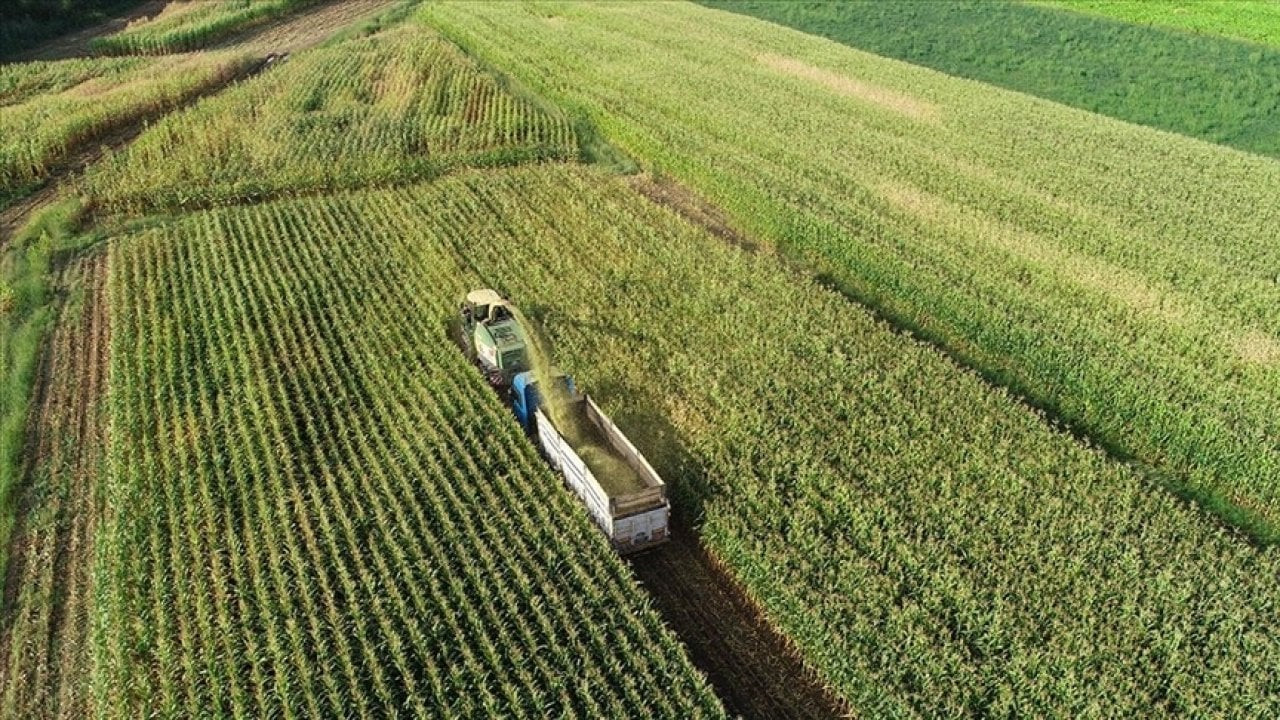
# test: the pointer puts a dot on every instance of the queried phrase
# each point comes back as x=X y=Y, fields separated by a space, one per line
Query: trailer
x=634 y=513
x=623 y=494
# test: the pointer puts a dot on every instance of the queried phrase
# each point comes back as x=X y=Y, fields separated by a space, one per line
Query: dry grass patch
x=1258 y=348
x=901 y=103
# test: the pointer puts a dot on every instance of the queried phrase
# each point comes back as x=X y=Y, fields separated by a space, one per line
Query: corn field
x=994 y=568
x=265 y=483
x=316 y=435
x=400 y=105
x=320 y=509
x=1124 y=278
x=50 y=109
x=190 y=25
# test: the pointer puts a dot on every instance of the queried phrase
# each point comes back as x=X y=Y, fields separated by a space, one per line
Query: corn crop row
x=319 y=509
x=1124 y=278
x=401 y=105
x=329 y=499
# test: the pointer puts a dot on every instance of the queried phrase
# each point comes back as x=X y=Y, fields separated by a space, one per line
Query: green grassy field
x=1207 y=87
x=396 y=106
x=1251 y=20
x=26 y=311
x=900 y=550
x=184 y=26
x=1121 y=277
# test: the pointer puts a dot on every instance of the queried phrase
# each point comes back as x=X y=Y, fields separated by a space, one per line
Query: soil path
x=13 y=217
x=76 y=44
x=752 y=667
x=45 y=628
x=305 y=28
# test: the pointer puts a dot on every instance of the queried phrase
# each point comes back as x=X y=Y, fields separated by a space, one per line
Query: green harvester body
x=495 y=335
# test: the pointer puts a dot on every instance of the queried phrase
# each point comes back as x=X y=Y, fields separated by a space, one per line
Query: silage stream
x=569 y=417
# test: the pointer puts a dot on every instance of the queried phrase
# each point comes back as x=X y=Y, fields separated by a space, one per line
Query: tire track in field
x=45 y=615
x=754 y=668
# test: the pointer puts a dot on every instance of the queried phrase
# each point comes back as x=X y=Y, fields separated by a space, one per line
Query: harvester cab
x=494 y=335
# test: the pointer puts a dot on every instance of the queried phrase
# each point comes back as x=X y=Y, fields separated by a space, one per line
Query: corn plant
x=319 y=508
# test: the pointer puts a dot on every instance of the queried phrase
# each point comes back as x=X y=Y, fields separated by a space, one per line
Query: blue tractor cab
x=525 y=397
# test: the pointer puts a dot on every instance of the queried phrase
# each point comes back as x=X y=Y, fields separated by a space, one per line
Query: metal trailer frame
x=634 y=521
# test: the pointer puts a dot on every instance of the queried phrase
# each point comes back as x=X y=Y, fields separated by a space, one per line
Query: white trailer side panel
x=581 y=481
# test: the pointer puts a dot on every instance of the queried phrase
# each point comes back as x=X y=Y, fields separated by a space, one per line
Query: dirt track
x=304 y=28
x=752 y=667
x=76 y=44
x=45 y=614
